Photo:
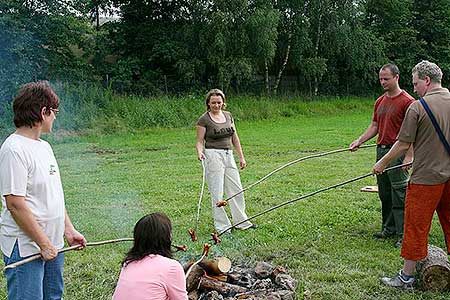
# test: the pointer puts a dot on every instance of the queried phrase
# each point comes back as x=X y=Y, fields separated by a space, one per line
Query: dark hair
x=30 y=100
x=215 y=92
x=152 y=235
x=391 y=67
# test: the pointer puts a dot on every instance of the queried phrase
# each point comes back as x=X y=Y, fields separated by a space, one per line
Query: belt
x=218 y=149
x=384 y=146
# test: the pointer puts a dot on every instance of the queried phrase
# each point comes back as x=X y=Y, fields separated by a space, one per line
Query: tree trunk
x=316 y=86
x=434 y=270
x=316 y=48
x=266 y=67
x=97 y=18
x=283 y=66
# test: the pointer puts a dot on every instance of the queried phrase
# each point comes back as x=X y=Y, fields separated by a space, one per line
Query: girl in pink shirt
x=148 y=270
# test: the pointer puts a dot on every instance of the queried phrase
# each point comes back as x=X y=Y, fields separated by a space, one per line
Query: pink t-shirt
x=154 y=277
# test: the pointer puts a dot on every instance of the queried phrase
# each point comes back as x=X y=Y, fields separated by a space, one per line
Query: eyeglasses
x=55 y=111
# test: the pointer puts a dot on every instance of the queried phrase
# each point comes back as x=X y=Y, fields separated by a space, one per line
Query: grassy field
x=324 y=241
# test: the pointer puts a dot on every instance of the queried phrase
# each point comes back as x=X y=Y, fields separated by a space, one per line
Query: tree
x=392 y=22
x=353 y=53
x=262 y=26
x=432 y=23
x=36 y=42
x=293 y=34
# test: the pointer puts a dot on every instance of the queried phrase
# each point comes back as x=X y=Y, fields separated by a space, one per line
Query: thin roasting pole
x=291 y=163
x=37 y=256
x=75 y=247
x=201 y=196
x=311 y=194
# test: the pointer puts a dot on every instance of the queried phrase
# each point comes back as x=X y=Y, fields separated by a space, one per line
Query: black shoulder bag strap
x=435 y=124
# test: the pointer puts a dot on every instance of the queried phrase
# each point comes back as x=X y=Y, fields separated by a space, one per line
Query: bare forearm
x=201 y=132
x=67 y=223
x=72 y=235
x=199 y=147
x=409 y=156
x=396 y=151
x=237 y=146
x=370 y=132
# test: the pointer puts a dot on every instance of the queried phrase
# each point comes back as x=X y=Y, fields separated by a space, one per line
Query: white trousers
x=222 y=176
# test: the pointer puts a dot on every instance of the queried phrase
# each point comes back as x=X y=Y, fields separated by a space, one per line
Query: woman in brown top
x=216 y=134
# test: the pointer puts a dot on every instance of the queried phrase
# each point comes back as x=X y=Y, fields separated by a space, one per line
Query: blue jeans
x=36 y=280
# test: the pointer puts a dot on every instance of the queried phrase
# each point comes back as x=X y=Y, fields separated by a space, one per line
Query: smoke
x=21 y=58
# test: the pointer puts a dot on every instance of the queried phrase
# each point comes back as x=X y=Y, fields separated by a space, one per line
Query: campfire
x=217 y=279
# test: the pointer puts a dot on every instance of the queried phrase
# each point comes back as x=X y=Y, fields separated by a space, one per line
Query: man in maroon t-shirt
x=388 y=115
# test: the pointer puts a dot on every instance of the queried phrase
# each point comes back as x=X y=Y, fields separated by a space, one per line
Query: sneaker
x=398 y=243
x=399 y=281
x=383 y=235
x=254 y=226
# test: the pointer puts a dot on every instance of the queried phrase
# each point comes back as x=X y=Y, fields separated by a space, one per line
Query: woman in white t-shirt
x=34 y=218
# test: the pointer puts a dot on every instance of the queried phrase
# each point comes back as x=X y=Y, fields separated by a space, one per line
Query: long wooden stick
x=201 y=197
x=291 y=163
x=311 y=194
x=37 y=256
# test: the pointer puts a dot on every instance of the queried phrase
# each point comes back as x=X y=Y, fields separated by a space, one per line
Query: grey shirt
x=431 y=161
x=218 y=135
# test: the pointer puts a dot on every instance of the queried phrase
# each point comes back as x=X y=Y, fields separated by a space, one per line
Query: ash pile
x=216 y=279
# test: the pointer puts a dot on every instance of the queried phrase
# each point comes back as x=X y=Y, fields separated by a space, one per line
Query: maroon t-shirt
x=389 y=114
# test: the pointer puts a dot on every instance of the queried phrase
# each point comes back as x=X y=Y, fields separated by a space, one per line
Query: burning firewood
x=239 y=282
x=216 y=266
x=207 y=284
x=193 y=278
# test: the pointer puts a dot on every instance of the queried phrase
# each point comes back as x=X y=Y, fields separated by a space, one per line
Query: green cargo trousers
x=391 y=190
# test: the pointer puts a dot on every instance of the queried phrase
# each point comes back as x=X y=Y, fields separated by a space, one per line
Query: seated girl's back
x=152 y=278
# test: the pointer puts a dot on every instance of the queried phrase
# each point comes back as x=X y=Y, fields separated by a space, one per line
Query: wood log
x=233 y=278
x=193 y=295
x=223 y=278
x=223 y=288
x=187 y=265
x=251 y=294
x=216 y=266
x=193 y=279
x=434 y=270
x=241 y=279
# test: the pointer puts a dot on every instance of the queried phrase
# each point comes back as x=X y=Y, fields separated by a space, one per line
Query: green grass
x=324 y=241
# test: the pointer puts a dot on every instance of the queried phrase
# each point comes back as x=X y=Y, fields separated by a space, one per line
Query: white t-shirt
x=28 y=168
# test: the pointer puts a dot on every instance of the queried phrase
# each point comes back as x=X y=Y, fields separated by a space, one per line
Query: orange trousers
x=421 y=202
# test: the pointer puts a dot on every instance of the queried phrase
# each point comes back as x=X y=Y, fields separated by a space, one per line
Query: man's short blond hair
x=426 y=68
